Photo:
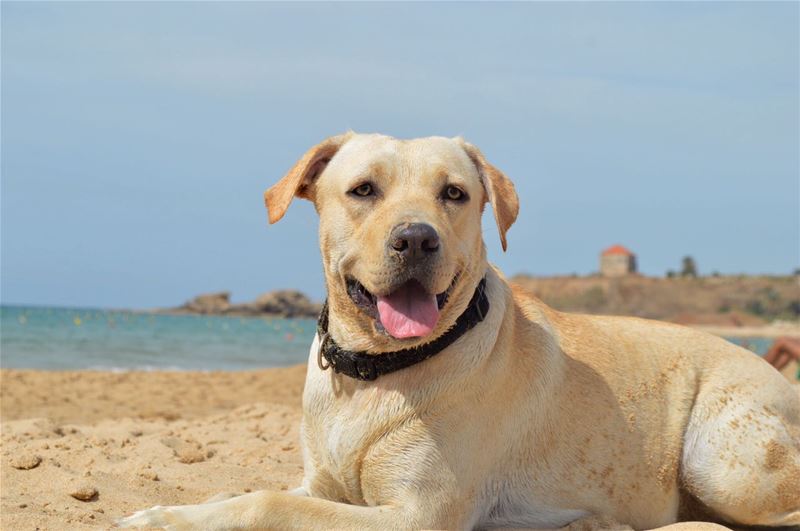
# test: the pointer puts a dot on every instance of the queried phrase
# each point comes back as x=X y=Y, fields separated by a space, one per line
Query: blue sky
x=138 y=138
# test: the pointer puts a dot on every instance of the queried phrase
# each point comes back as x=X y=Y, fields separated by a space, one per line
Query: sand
x=81 y=449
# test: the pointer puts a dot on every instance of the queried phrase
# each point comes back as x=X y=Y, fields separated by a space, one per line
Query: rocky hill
x=715 y=300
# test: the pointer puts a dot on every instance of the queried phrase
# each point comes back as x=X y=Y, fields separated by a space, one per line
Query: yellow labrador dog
x=438 y=396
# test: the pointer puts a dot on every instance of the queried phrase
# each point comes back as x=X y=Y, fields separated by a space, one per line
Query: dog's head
x=400 y=228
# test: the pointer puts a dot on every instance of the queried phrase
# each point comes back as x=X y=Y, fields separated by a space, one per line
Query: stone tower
x=617 y=261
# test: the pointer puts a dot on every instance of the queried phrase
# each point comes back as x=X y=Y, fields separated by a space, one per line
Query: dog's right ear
x=297 y=181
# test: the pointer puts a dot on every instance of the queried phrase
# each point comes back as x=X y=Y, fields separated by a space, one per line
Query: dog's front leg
x=270 y=510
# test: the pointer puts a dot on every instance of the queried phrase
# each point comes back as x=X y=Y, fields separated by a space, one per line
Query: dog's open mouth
x=409 y=311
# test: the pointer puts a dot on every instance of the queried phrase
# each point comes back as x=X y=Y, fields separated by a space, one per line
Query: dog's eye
x=454 y=193
x=362 y=190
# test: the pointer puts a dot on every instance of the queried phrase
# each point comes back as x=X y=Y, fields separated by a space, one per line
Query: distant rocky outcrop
x=281 y=303
x=288 y=303
x=208 y=303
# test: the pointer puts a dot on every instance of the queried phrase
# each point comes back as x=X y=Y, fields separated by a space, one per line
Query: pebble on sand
x=84 y=493
x=148 y=474
x=26 y=461
x=189 y=455
x=187 y=452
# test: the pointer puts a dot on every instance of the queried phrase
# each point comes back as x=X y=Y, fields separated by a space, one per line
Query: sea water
x=73 y=338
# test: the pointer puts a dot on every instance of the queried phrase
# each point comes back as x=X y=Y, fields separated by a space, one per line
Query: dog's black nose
x=414 y=241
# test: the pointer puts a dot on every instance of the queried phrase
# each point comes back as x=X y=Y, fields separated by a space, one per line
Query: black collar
x=367 y=367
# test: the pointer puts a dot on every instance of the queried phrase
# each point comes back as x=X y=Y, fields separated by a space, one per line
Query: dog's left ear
x=297 y=181
x=500 y=190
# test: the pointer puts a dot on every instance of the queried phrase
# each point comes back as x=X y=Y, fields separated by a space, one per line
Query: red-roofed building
x=617 y=261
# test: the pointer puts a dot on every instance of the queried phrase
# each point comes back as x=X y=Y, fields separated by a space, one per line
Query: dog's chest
x=342 y=431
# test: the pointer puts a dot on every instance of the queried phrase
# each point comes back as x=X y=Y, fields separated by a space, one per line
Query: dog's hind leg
x=741 y=455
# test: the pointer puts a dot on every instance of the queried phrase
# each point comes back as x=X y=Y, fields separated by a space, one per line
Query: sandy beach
x=83 y=448
x=127 y=441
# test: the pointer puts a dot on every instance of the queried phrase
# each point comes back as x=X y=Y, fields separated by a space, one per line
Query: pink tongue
x=409 y=311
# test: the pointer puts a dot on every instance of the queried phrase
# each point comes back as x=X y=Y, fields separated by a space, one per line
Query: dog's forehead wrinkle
x=425 y=151
x=363 y=154
x=443 y=153
x=446 y=152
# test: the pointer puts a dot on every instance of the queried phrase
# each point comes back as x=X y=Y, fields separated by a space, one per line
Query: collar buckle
x=366 y=369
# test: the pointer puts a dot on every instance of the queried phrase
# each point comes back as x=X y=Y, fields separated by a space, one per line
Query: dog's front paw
x=166 y=518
